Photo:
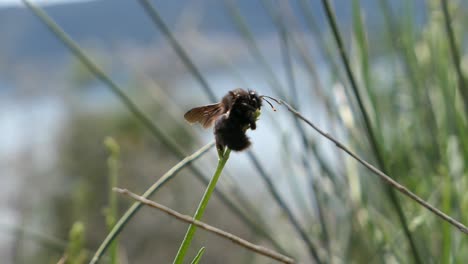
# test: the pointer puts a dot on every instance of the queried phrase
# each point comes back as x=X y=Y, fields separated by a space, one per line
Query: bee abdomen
x=237 y=142
x=230 y=134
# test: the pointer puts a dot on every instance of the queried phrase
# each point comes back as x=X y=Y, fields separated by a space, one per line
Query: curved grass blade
x=199 y=255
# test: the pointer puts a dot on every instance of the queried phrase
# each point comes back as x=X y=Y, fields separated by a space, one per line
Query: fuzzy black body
x=230 y=127
x=236 y=112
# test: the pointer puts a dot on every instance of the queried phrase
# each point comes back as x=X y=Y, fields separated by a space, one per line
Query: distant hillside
x=108 y=22
x=111 y=21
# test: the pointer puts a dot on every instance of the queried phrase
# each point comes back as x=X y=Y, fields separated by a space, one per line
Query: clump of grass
x=404 y=135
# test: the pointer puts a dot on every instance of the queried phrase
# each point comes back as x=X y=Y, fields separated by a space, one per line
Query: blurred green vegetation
x=410 y=88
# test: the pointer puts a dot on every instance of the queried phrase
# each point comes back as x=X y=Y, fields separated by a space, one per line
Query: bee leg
x=252 y=120
x=220 y=150
x=253 y=125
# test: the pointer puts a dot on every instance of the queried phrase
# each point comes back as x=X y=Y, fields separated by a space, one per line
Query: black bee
x=237 y=111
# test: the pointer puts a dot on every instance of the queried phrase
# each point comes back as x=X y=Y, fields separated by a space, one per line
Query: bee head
x=255 y=99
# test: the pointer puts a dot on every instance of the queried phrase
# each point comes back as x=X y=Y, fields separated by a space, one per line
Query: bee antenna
x=263 y=97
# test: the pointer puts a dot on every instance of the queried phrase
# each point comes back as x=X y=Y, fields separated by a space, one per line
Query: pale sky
x=41 y=2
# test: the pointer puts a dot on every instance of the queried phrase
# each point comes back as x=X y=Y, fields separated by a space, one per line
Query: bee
x=237 y=111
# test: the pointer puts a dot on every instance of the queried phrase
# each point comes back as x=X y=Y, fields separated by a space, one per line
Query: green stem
x=137 y=205
x=201 y=208
x=112 y=210
x=374 y=143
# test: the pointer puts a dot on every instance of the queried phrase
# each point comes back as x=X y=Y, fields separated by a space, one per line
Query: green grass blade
x=113 y=165
x=199 y=255
x=462 y=87
x=179 y=259
x=368 y=127
x=128 y=215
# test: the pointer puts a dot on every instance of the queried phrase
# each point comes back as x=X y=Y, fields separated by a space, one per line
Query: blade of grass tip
x=150 y=191
x=199 y=255
x=462 y=87
x=156 y=18
x=370 y=133
x=179 y=258
x=140 y=116
x=391 y=182
x=278 y=21
x=113 y=165
x=363 y=46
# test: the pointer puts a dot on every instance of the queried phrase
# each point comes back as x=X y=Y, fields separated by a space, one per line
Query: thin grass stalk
x=279 y=23
x=312 y=248
x=394 y=184
x=362 y=44
x=318 y=89
x=113 y=165
x=156 y=18
x=323 y=45
x=140 y=116
x=398 y=40
x=179 y=258
x=359 y=32
x=450 y=197
x=152 y=12
x=369 y=130
x=292 y=182
x=462 y=87
x=447 y=202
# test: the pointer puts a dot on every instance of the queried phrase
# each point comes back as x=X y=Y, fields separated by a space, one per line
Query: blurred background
x=66 y=136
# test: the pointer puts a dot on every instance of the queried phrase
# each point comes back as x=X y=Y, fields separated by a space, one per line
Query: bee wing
x=205 y=115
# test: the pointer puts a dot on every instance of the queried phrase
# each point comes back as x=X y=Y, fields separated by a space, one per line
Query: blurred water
x=28 y=150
